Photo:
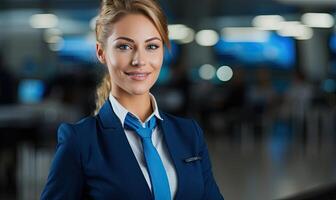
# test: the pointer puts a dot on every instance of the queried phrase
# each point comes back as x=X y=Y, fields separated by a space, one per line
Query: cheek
x=157 y=60
x=117 y=59
x=117 y=62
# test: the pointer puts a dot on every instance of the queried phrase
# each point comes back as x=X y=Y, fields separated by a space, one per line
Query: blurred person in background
x=234 y=104
x=262 y=101
x=297 y=102
x=7 y=84
x=130 y=149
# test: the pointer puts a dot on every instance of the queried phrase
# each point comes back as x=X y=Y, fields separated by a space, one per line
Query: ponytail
x=102 y=92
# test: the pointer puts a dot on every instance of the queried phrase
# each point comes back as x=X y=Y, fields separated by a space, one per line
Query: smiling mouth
x=137 y=75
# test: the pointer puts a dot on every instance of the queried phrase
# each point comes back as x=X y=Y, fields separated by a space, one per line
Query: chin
x=139 y=88
x=139 y=91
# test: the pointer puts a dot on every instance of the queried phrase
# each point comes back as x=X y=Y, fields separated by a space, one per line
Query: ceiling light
x=43 y=21
x=207 y=37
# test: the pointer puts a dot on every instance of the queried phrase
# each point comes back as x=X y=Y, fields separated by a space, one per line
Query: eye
x=124 y=47
x=152 y=46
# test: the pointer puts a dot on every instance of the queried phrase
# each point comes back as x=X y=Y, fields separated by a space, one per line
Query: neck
x=140 y=105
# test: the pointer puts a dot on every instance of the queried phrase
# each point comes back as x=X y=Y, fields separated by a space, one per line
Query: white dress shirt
x=157 y=138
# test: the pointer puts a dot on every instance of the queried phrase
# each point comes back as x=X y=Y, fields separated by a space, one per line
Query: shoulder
x=176 y=119
x=76 y=137
x=71 y=131
x=83 y=124
x=186 y=129
x=183 y=122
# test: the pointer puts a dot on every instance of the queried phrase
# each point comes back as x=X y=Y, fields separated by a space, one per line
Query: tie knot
x=134 y=124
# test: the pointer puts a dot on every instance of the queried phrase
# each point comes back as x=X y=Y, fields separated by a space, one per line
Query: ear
x=100 y=53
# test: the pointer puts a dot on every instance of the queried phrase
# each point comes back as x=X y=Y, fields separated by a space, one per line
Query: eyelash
x=153 y=45
x=124 y=47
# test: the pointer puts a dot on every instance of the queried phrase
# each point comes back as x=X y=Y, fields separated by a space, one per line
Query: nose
x=138 y=59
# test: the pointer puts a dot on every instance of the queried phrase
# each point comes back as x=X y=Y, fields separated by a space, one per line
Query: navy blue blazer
x=94 y=160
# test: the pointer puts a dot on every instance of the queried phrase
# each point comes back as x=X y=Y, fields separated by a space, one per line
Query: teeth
x=139 y=75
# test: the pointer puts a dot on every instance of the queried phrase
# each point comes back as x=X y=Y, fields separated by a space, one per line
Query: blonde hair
x=110 y=12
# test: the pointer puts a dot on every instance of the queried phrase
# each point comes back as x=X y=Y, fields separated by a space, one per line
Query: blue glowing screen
x=31 y=91
x=276 y=51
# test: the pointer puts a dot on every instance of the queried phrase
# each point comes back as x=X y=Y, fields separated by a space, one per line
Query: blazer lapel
x=175 y=148
x=120 y=153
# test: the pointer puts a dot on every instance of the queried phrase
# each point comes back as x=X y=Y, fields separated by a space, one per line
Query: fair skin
x=133 y=54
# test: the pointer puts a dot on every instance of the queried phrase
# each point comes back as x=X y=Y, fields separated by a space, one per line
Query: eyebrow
x=130 y=40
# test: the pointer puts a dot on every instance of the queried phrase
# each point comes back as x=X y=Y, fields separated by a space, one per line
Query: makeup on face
x=134 y=54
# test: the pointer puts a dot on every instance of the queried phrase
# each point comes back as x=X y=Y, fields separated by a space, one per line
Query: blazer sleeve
x=65 y=179
x=211 y=190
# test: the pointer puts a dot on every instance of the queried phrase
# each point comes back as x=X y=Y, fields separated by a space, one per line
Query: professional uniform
x=97 y=158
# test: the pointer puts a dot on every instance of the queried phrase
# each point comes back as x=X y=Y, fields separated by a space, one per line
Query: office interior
x=259 y=76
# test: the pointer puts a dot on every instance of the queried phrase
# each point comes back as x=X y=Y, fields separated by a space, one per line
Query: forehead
x=135 y=26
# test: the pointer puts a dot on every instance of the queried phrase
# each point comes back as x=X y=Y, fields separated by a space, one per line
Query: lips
x=138 y=76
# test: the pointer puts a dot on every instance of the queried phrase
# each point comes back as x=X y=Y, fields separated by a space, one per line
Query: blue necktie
x=158 y=176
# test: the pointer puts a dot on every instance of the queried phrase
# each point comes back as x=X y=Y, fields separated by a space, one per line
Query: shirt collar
x=121 y=111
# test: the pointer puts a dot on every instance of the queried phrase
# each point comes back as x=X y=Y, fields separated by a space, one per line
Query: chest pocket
x=193 y=183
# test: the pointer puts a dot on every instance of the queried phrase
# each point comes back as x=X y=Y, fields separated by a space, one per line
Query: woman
x=129 y=149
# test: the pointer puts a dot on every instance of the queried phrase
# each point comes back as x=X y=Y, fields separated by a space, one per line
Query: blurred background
x=258 y=75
